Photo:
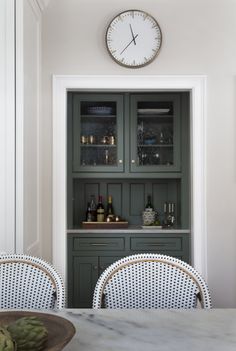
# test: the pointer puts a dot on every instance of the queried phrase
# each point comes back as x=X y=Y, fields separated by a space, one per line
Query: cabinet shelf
x=156 y=145
x=156 y=116
x=98 y=116
x=98 y=145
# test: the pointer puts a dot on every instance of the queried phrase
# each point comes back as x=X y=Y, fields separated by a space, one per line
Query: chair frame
x=47 y=268
x=203 y=295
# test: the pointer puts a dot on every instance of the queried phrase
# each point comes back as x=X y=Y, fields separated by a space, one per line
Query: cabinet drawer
x=95 y=244
x=156 y=244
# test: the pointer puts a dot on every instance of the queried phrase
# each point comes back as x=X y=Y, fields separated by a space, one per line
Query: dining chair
x=28 y=282
x=151 y=281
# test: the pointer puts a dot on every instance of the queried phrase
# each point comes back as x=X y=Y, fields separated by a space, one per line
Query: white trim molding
x=7 y=131
x=28 y=14
x=196 y=85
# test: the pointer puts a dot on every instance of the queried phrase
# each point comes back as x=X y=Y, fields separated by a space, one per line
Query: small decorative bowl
x=60 y=330
x=150 y=141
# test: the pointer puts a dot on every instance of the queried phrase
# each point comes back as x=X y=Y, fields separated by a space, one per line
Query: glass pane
x=155 y=133
x=98 y=139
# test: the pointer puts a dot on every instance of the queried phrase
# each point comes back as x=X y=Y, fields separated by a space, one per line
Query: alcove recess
x=125 y=176
x=129 y=197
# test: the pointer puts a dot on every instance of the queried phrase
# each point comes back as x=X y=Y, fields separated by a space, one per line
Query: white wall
x=198 y=38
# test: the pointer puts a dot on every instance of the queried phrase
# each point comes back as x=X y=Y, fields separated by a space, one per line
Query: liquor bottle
x=93 y=208
x=106 y=157
x=162 y=139
x=100 y=210
x=149 y=205
x=110 y=212
x=88 y=213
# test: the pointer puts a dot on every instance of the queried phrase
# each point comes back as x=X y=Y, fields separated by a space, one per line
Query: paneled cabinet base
x=89 y=254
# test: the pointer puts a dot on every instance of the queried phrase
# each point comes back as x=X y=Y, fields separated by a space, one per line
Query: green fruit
x=6 y=342
x=29 y=333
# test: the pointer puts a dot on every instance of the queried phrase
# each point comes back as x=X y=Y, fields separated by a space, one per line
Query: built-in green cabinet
x=89 y=254
x=126 y=133
x=127 y=145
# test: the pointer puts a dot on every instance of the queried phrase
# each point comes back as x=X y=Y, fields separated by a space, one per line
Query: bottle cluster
x=96 y=212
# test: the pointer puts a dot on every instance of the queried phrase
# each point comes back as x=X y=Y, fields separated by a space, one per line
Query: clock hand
x=132 y=34
x=129 y=44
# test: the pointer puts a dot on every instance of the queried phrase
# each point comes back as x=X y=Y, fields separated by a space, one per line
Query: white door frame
x=28 y=223
x=7 y=122
x=196 y=85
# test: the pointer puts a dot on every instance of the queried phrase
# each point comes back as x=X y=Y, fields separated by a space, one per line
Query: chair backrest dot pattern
x=150 y=281
x=145 y=286
x=28 y=282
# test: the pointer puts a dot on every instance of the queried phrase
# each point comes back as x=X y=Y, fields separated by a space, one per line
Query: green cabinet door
x=97 y=133
x=155 y=132
x=84 y=277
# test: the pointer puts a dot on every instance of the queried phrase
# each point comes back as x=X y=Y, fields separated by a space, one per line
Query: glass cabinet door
x=155 y=133
x=98 y=133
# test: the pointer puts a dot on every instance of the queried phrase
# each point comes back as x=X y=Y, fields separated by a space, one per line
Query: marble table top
x=152 y=330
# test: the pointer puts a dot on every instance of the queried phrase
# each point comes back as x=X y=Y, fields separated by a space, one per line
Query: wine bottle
x=100 y=210
x=149 y=205
x=89 y=213
x=110 y=212
x=93 y=208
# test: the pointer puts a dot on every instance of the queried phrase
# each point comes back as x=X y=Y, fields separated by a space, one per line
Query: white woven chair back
x=28 y=282
x=150 y=281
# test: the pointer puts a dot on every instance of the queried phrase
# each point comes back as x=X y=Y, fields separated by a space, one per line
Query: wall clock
x=133 y=38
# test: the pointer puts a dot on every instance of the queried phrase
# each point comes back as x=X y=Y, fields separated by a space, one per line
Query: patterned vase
x=148 y=217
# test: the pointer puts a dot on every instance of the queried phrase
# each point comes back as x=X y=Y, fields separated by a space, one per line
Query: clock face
x=133 y=38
